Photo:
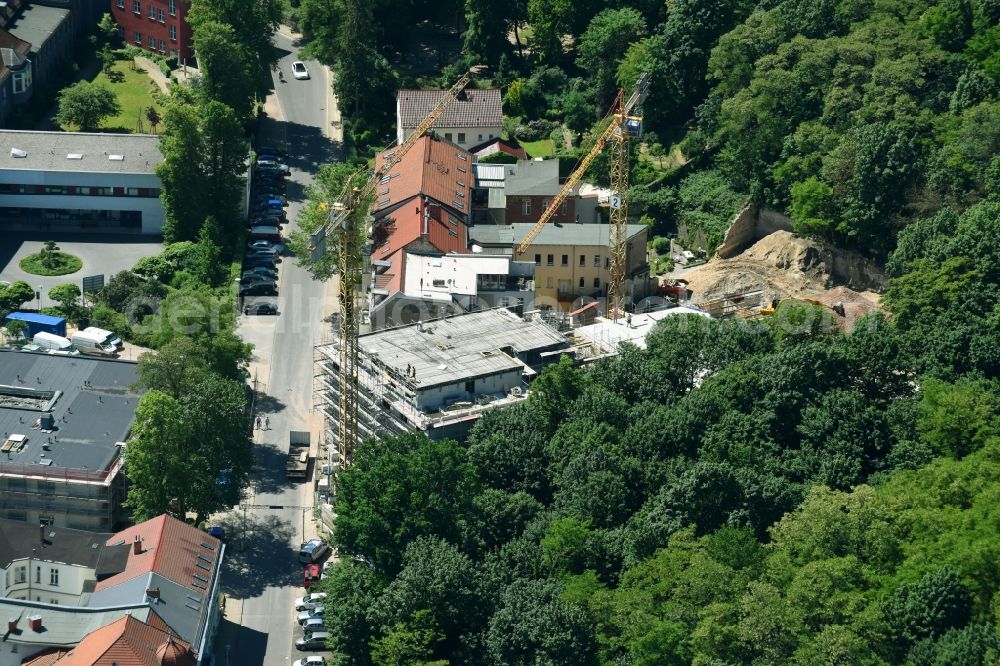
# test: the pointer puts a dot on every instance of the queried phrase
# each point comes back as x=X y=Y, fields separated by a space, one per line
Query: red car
x=311 y=575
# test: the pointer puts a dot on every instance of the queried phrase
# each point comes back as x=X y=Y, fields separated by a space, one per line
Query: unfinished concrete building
x=438 y=376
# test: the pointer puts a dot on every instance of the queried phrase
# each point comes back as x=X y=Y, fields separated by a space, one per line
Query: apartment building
x=158 y=26
x=474 y=117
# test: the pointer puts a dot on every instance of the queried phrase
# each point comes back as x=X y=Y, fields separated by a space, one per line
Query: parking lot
x=102 y=254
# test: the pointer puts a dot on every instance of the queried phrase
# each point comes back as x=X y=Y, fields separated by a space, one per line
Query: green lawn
x=134 y=93
x=54 y=263
x=543 y=148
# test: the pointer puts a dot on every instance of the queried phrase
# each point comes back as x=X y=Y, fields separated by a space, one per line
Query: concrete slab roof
x=455 y=349
x=90 y=400
x=609 y=335
x=554 y=233
x=89 y=152
x=62 y=626
x=37 y=23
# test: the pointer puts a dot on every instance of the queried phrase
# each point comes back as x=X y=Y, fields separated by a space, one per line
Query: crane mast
x=345 y=219
x=619 y=132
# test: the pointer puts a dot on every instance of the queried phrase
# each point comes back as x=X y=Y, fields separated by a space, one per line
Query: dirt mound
x=783 y=265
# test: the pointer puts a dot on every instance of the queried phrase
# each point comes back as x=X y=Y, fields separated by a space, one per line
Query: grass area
x=51 y=263
x=134 y=90
x=543 y=148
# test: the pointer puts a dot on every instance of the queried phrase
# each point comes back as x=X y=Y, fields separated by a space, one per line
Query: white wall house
x=474 y=117
x=73 y=181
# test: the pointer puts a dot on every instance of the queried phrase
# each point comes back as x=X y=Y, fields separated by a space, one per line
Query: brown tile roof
x=9 y=41
x=498 y=145
x=434 y=168
x=475 y=107
x=125 y=642
x=444 y=232
x=170 y=548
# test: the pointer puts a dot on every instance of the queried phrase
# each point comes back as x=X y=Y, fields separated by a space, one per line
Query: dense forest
x=769 y=492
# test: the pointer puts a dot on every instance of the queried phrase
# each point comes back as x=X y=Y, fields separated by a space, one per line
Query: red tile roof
x=498 y=145
x=440 y=232
x=170 y=548
x=475 y=107
x=124 y=642
x=432 y=167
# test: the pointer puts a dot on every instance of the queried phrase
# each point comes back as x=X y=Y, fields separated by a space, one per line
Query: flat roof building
x=72 y=181
x=65 y=420
x=438 y=376
x=606 y=336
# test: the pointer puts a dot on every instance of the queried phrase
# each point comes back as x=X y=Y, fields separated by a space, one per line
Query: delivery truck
x=93 y=343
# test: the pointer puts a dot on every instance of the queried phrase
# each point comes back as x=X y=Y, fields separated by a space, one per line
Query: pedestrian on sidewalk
x=267 y=423
x=256 y=423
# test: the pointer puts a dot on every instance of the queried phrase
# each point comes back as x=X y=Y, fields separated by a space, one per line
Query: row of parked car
x=266 y=216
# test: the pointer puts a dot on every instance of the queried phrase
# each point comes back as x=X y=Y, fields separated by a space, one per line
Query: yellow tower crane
x=346 y=219
x=620 y=129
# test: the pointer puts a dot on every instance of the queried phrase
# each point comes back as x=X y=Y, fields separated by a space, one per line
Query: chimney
x=35 y=622
x=153 y=592
x=11 y=625
x=137 y=545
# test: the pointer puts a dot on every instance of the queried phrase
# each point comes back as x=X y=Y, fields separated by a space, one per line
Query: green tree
x=67 y=295
x=939 y=601
x=487 y=25
x=225 y=76
x=353 y=587
x=409 y=643
x=86 y=104
x=14 y=295
x=603 y=45
x=398 y=489
x=957 y=419
x=812 y=208
x=16 y=328
x=175 y=369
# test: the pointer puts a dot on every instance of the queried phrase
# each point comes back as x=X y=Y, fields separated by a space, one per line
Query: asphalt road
x=262 y=576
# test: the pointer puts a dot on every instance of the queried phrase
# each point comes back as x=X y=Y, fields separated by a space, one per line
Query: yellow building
x=571 y=260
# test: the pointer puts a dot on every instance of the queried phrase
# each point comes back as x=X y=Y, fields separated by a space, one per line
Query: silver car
x=309 y=614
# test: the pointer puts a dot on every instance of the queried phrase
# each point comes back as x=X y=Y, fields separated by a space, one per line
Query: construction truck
x=297 y=465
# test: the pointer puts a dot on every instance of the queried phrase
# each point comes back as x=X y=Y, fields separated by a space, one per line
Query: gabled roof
x=125 y=642
x=432 y=167
x=19 y=540
x=498 y=145
x=421 y=220
x=474 y=107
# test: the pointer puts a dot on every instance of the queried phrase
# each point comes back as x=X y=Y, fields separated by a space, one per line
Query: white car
x=299 y=70
x=310 y=661
x=309 y=601
x=306 y=615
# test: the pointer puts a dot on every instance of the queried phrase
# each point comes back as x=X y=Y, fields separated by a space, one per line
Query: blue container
x=38 y=323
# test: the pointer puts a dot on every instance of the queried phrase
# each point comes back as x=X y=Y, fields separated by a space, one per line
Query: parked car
x=309 y=601
x=267 y=164
x=217 y=532
x=299 y=70
x=313 y=624
x=266 y=221
x=312 y=641
x=310 y=613
x=261 y=270
x=265 y=288
x=261 y=309
x=260 y=262
x=311 y=575
x=314 y=660
x=313 y=550
x=266 y=210
x=263 y=251
x=268 y=150
x=264 y=232
x=270 y=179
x=270 y=198
x=265 y=244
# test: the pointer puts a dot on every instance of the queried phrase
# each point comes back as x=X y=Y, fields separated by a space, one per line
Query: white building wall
x=432 y=399
x=150 y=207
x=473 y=135
x=66 y=593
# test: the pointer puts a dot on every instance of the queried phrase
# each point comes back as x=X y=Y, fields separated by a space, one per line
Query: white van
x=92 y=343
x=107 y=337
x=53 y=343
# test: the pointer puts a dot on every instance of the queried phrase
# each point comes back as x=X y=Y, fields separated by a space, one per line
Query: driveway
x=102 y=254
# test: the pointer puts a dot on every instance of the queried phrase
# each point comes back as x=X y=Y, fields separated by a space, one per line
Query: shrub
x=535 y=130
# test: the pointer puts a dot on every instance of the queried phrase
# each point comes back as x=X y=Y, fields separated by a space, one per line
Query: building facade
x=572 y=261
x=73 y=181
x=16 y=74
x=158 y=26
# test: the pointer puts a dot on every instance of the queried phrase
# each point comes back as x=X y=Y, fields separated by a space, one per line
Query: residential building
x=50 y=32
x=15 y=75
x=65 y=420
x=438 y=377
x=80 y=598
x=521 y=192
x=71 y=181
x=432 y=286
x=474 y=117
x=158 y=26
x=572 y=261
x=496 y=147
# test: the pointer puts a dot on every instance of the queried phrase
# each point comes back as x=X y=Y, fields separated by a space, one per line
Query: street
x=262 y=576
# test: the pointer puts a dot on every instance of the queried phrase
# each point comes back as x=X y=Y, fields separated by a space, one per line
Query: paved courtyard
x=102 y=254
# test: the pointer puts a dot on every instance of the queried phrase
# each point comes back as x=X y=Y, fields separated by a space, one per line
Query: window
x=152 y=42
x=54 y=602
x=38 y=574
x=563 y=208
x=538 y=260
x=173 y=53
x=152 y=12
x=20 y=575
x=525 y=206
x=597 y=260
x=136 y=6
x=548 y=283
x=172 y=7
x=54 y=577
x=173 y=35
x=447 y=136
x=461 y=137
x=480 y=137
x=22 y=80
x=548 y=260
x=438 y=283
x=121 y=32
x=121 y=4
x=583 y=260
x=132 y=191
x=597 y=283
x=161 y=15
x=582 y=283
x=607 y=262
x=138 y=38
x=163 y=46
x=565 y=260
